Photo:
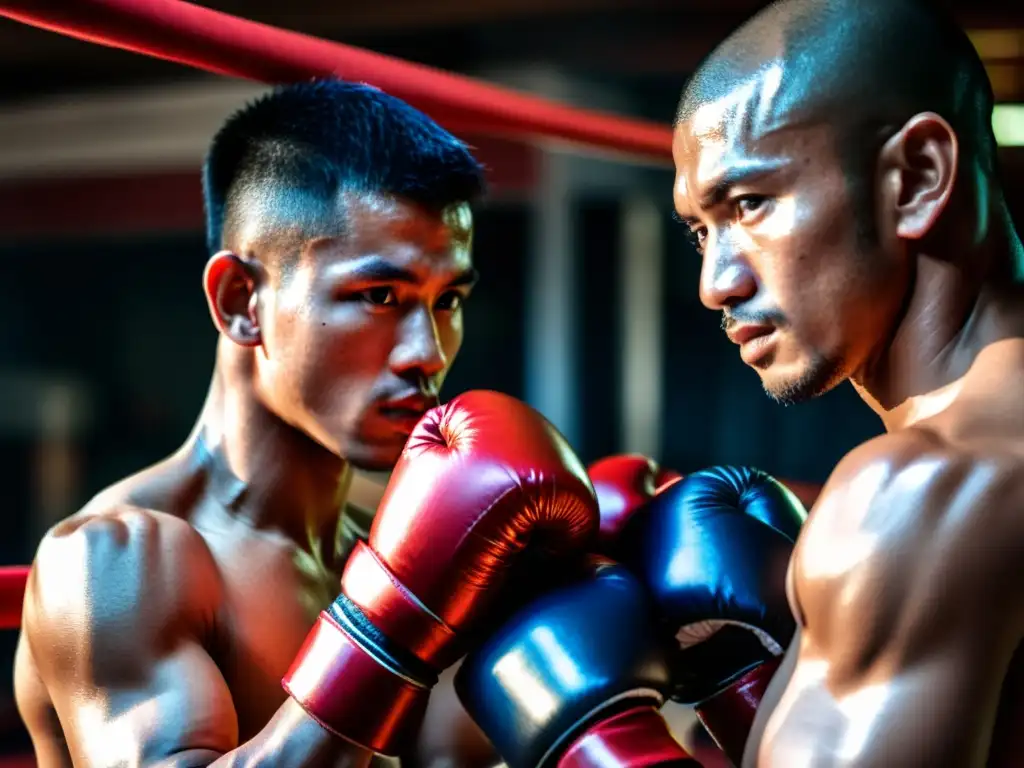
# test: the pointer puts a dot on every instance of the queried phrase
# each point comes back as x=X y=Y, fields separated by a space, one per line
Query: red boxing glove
x=634 y=738
x=624 y=483
x=480 y=479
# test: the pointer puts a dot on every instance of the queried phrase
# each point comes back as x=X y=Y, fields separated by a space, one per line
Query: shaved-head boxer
x=836 y=165
x=161 y=619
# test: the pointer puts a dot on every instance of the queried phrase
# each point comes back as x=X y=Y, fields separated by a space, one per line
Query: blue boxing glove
x=712 y=550
x=575 y=680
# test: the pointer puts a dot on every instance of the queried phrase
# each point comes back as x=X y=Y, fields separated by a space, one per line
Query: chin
x=374 y=457
x=789 y=385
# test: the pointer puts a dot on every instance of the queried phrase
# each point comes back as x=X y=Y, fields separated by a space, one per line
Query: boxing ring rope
x=12 y=592
x=228 y=45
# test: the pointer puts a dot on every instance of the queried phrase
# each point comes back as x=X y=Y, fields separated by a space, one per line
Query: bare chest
x=271 y=601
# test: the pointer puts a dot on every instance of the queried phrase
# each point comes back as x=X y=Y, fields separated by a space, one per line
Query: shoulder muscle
x=906 y=535
x=905 y=576
x=118 y=607
x=119 y=583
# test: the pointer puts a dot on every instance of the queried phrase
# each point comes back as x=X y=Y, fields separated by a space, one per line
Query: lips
x=741 y=334
x=756 y=343
x=406 y=412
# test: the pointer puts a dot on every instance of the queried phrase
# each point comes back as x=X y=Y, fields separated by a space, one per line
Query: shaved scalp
x=865 y=66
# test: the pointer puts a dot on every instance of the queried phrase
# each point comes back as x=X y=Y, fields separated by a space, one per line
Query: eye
x=379 y=297
x=697 y=236
x=750 y=205
x=450 y=302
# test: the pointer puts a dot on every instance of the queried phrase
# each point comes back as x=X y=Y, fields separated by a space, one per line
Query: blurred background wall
x=588 y=304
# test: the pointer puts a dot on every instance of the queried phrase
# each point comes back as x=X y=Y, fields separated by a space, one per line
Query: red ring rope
x=12 y=595
x=229 y=45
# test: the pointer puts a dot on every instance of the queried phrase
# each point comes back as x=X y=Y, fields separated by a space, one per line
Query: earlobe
x=926 y=156
x=230 y=288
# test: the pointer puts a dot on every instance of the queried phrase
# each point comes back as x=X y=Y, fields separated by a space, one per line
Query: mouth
x=755 y=341
x=405 y=413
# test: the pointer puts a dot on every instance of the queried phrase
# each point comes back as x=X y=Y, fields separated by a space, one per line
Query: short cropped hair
x=310 y=142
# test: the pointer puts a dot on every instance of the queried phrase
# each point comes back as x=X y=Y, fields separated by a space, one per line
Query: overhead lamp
x=1008 y=124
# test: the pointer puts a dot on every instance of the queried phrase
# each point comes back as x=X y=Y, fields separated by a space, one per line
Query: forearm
x=292 y=739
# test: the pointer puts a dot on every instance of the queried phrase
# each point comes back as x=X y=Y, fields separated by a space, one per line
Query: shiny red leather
x=391 y=608
x=665 y=478
x=623 y=483
x=480 y=479
x=351 y=694
x=729 y=715
x=632 y=739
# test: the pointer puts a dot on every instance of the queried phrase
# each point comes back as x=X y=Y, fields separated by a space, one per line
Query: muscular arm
x=905 y=583
x=119 y=614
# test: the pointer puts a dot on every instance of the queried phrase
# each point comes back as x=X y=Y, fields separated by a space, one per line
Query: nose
x=419 y=352
x=726 y=278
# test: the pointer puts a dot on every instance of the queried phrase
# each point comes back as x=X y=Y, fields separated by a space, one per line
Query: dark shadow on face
x=363 y=329
x=803 y=290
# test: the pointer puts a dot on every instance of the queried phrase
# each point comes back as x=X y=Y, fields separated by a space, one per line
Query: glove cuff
x=394 y=611
x=729 y=715
x=353 y=693
x=636 y=738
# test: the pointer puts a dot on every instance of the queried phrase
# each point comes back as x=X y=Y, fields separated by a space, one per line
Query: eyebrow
x=720 y=190
x=378 y=270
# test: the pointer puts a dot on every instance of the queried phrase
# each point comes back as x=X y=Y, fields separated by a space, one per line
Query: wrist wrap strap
x=360 y=694
x=394 y=610
x=636 y=738
x=728 y=716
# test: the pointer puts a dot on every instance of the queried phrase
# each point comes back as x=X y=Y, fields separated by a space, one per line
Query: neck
x=958 y=306
x=260 y=468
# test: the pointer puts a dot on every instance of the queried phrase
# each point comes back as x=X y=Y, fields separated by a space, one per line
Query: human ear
x=920 y=170
x=230 y=287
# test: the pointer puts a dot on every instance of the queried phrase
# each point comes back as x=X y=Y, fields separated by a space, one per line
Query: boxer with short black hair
x=161 y=618
x=836 y=166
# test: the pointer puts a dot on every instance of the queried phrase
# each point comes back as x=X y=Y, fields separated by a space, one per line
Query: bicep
x=116 y=614
x=179 y=713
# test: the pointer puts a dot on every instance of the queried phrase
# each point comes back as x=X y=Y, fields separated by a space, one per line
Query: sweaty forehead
x=375 y=219
x=747 y=109
x=395 y=234
x=754 y=123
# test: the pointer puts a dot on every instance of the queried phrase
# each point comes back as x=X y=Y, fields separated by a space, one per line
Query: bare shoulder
x=901 y=482
x=117 y=580
x=906 y=534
